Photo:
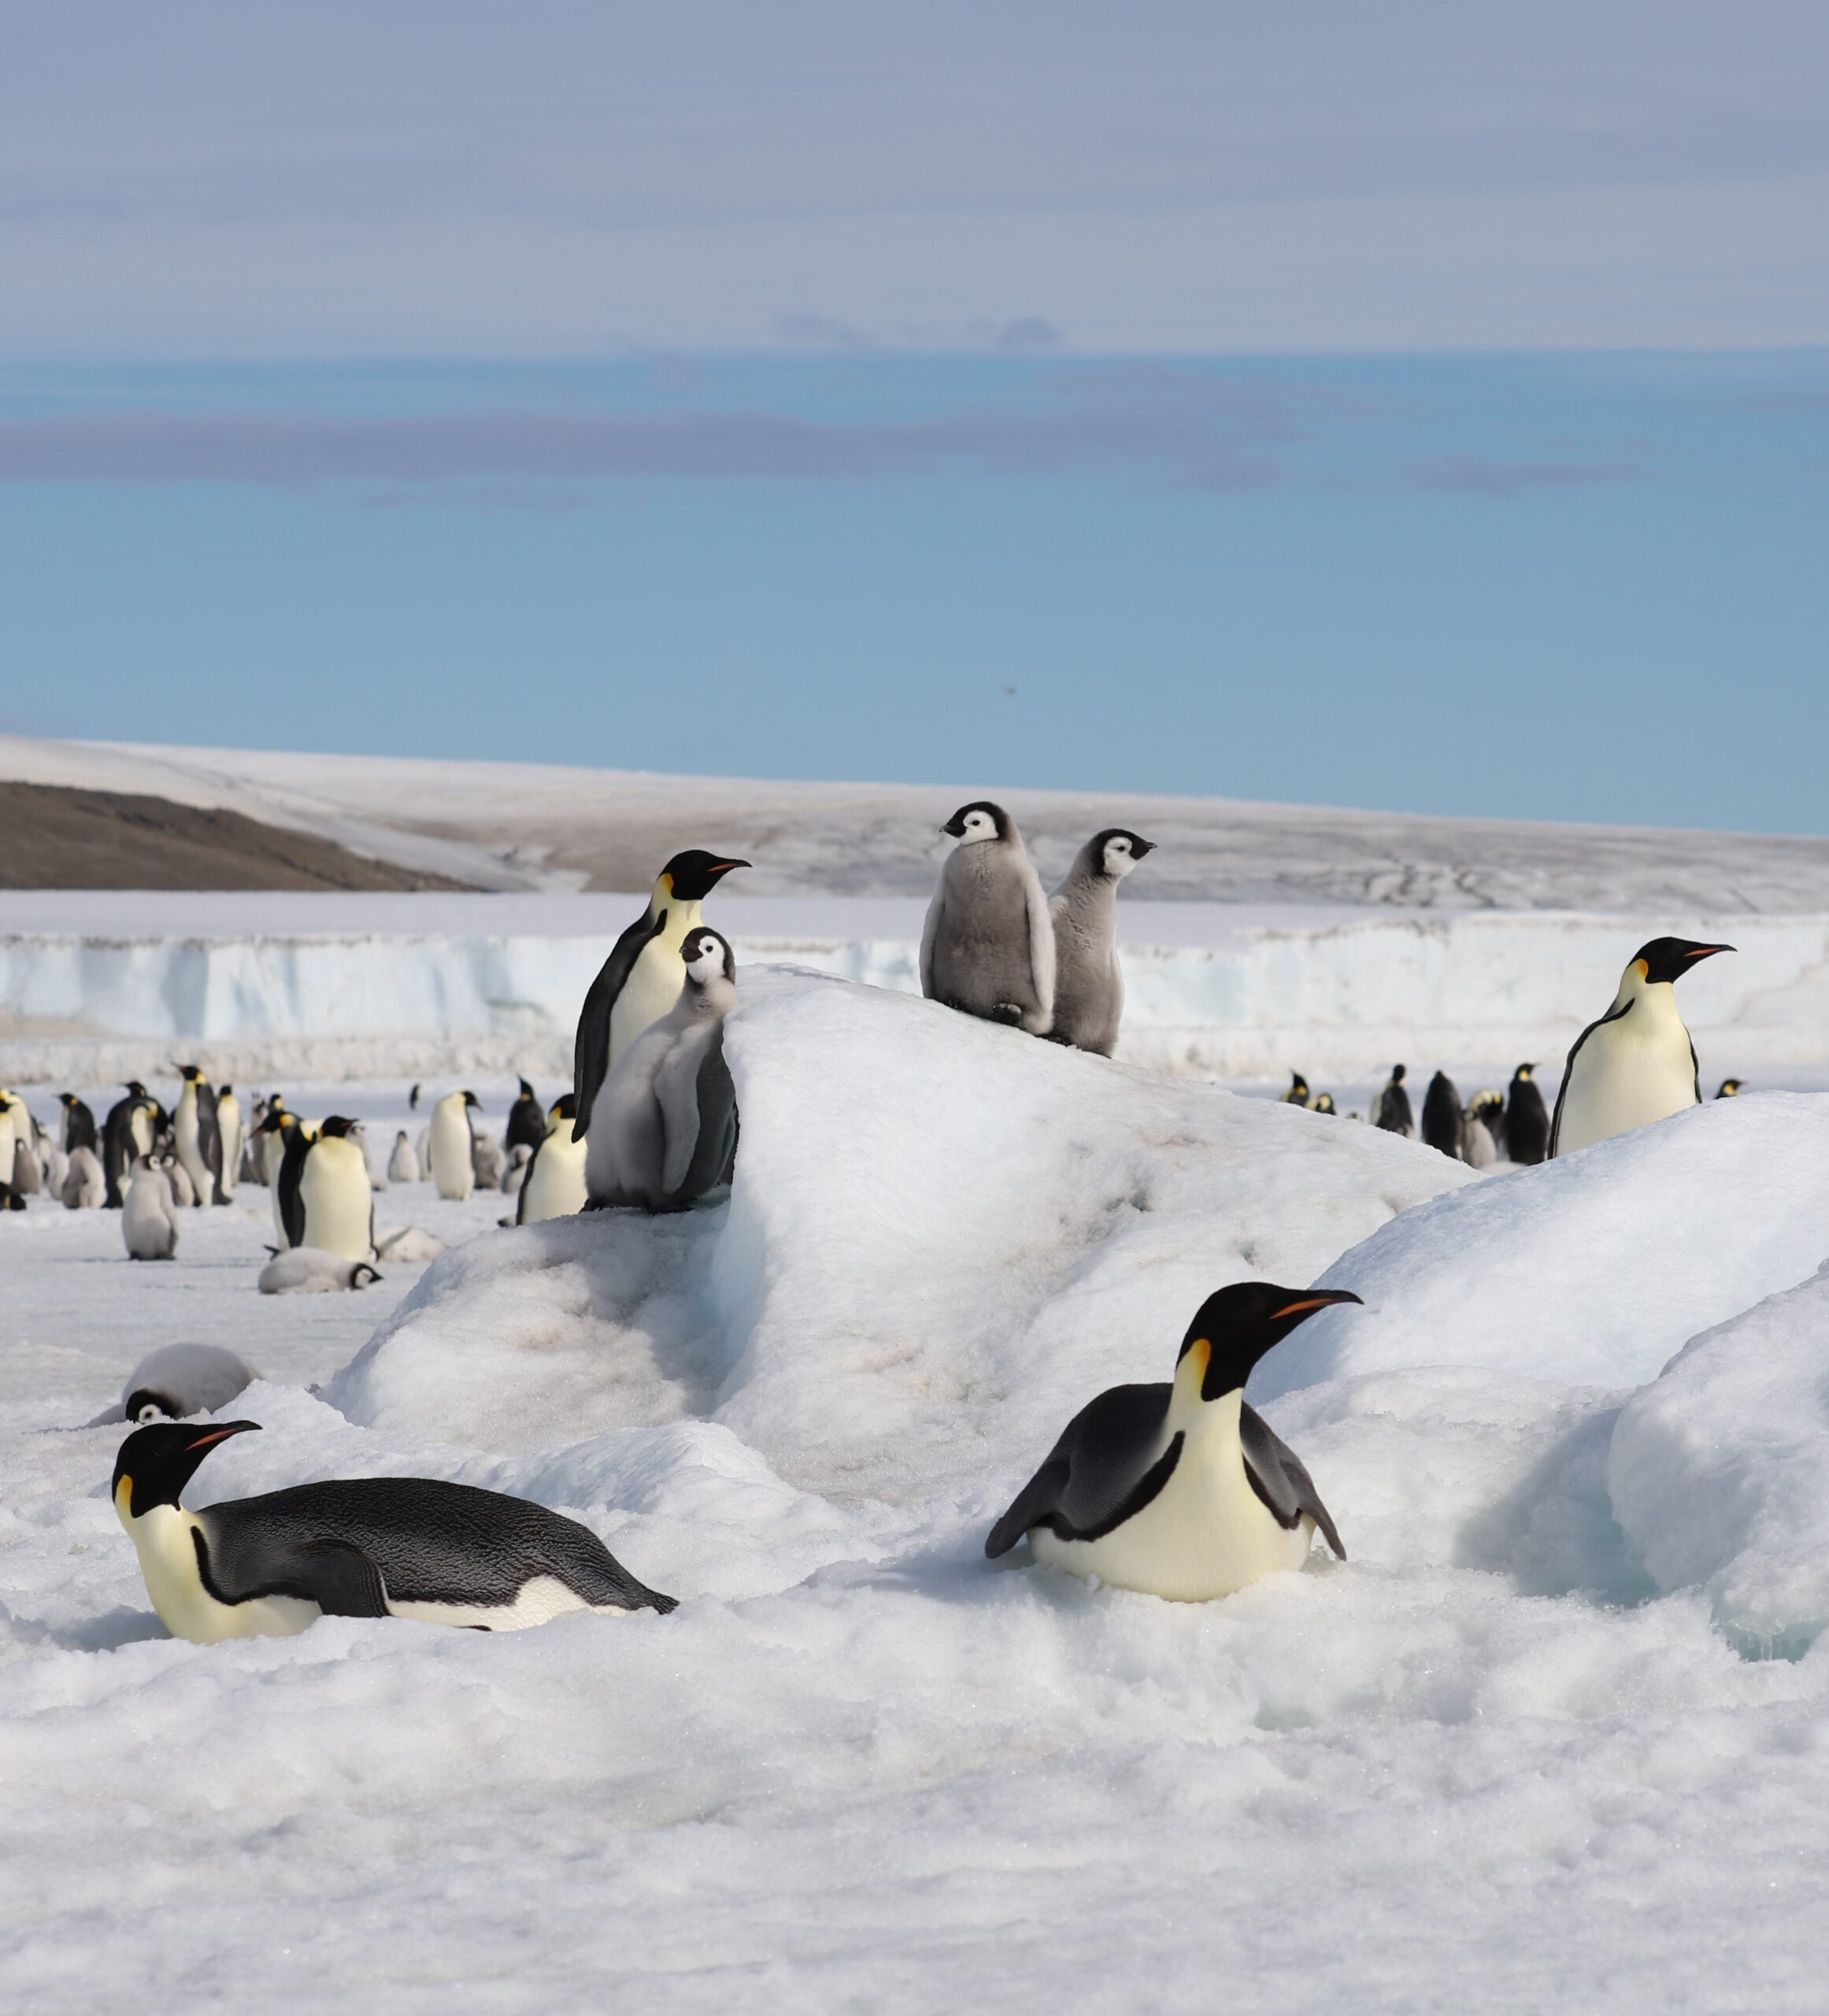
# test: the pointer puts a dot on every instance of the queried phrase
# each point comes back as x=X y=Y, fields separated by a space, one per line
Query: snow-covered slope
x=862 y=1767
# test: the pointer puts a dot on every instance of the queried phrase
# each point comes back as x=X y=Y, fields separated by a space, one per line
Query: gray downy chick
x=1089 y=984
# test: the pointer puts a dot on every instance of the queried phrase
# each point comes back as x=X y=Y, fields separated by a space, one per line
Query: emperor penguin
x=10 y=1131
x=273 y=1148
x=148 y=1221
x=199 y=1138
x=312 y=1270
x=78 y=1125
x=1321 y=1102
x=554 y=1187
x=667 y=1123
x=645 y=973
x=369 y=1547
x=1636 y=1064
x=335 y=1203
x=1089 y=984
x=452 y=1156
x=1297 y=1094
x=1392 y=1109
x=177 y=1380
x=1527 y=1134
x=1484 y=1129
x=228 y=1124
x=403 y=1163
x=1443 y=1127
x=1180 y=1489
x=1730 y=1089
x=527 y=1121
x=130 y=1130
x=284 y=1140
x=987 y=947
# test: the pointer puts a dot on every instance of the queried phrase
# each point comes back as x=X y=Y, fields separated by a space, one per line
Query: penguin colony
x=1177 y=1488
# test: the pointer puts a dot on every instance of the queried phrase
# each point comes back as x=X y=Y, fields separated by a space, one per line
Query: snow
x=1516 y=1752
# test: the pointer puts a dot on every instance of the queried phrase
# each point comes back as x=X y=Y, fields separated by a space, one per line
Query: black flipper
x=209 y=1141
x=335 y=1574
x=1611 y=1015
x=1107 y=1467
x=591 y=1055
x=291 y=1169
x=1281 y=1479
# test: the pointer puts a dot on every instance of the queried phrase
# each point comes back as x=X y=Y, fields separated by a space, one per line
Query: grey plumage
x=179 y=1379
x=84 y=1186
x=1089 y=984
x=987 y=947
x=149 y=1218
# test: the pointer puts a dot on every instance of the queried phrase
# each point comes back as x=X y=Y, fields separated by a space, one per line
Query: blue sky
x=1392 y=407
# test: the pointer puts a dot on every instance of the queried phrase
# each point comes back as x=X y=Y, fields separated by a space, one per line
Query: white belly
x=452 y=1168
x=1206 y=1533
x=229 y=1125
x=190 y=1153
x=338 y=1203
x=556 y=1188
x=1624 y=1078
x=541 y=1600
x=653 y=989
x=168 y=1562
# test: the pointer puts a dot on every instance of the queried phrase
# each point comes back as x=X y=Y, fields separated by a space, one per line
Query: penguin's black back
x=1442 y=1125
x=432 y=1542
x=79 y=1127
x=1526 y=1123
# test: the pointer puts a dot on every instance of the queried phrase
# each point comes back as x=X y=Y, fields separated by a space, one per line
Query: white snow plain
x=1517 y=1753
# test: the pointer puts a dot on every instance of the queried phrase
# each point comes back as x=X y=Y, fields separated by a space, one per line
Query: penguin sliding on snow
x=198 y=1135
x=367 y=1547
x=644 y=974
x=1089 y=984
x=666 y=1131
x=1181 y=1490
x=1636 y=1064
x=987 y=946
x=554 y=1187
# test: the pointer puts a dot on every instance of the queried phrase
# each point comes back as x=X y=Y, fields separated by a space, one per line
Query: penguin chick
x=987 y=947
x=148 y=1220
x=667 y=1126
x=643 y=975
x=1297 y=1094
x=452 y=1156
x=515 y=1174
x=1089 y=984
x=84 y=1187
x=177 y=1380
x=1391 y=1112
x=368 y=1547
x=403 y=1163
x=486 y=1160
x=408 y=1246
x=1526 y=1139
x=1180 y=1489
x=1442 y=1125
x=312 y=1270
x=1636 y=1064
x=554 y=1187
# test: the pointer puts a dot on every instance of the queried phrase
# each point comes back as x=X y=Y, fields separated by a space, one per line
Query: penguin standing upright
x=368 y=1547
x=228 y=1124
x=335 y=1200
x=13 y=1131
x=1443 y=1127
x=527 y=1121
x=1392 y=1110
x=1636 y=1064
x=148 y=1220
x=987 y=947
x=273 y=1139
x=452 y=1158
x=288 y=1141
x=1180 y=1489
x=78 y=1125
x=1089 y=982
x=199 y=1139
x=554 y=1187
x=403 y=1163
x=129 y=1131
x=644 y=974
x=85 y=1188
x=666 y=1128
x=1527 y=1135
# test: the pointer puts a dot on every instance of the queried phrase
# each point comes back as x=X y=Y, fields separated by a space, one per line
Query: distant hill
x=54 y=836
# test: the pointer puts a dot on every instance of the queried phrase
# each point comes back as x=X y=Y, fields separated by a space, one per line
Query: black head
x=1667 y=959
x=1297 y=1083
x=1730 y=1089
x=527 y=1092
x=692 y=876
x=336 y=1127
x=222 y=1091
x=1237 y=1326
x=189 y=1072
x=1522 y=1075
x=565 y=1106
x=364 y=1275
x=1324 y=1104
x=979 y=820
x=704 y=944
x=277 y=1119
x=1397 y=1074
x=1117 y=850
x=157 y=1462
x=135 y=1089
x=67 y=1099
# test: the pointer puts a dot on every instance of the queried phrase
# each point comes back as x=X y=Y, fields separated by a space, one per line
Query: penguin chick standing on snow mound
x=1089 y=984
x=368 y=1547
x=1392 y=1111
x=452 y=1149
x=643 y=975
x=199 y=1138
x=987 y=947
x=1636 y=1064
x=554 y=1187
x=666 y=1128
x=1527 y=1131
x=1181 y=1490
x=149 y=1222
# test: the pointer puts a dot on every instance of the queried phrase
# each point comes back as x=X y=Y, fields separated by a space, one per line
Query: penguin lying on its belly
x=359 y=1547
x=1181 y=1490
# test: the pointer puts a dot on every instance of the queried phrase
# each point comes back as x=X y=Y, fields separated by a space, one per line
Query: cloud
x=1481 y=475
x=1178 y=427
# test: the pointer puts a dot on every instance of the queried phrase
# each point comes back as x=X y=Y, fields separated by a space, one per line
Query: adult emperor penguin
x=554 y=1187
x=1089 y=982
x=527 y=1122
x=273 y=1138
x=1443 y=1126
x=1180 y=1489
x=1391 y=1109
x=1730 y=1089
x=199 y=1138
x=667 y=1123
x=228 y=1124
x=645 y=972
x=1527 y=1134
x=130 y=1130
x=452 y=1156
x=78 y=1125
x=325 y=1194
x=987 y=947
x=1297 y=1094
x=368 y=1547
x=1636 y=1064
x=148 y=1221
x=15 y=1127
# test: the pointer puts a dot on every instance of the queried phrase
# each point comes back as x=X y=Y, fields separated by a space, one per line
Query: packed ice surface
x=1511 y=1755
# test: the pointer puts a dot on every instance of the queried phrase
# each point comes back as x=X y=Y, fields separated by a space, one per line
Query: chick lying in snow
x=310 y=1270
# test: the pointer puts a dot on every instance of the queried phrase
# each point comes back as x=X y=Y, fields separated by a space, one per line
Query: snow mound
x=943 y=1237
x=1719 y=1469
